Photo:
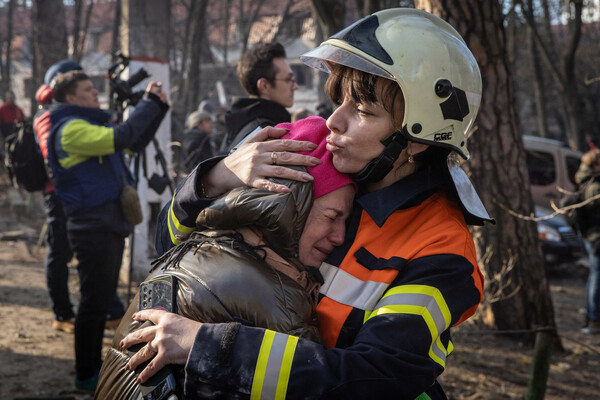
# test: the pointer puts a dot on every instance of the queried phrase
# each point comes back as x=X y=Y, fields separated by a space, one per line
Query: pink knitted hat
x=327 y=178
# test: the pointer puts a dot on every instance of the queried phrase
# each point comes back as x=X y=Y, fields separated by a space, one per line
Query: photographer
x=85 y=153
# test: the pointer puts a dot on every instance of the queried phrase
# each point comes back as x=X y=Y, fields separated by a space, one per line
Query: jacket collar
x=64 y=110
x=405 y=193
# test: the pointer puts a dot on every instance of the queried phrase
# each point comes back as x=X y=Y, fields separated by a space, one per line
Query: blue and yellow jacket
x=405 y=275
x=85 y=153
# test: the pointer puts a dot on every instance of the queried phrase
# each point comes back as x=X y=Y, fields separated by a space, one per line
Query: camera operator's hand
x=156 y=88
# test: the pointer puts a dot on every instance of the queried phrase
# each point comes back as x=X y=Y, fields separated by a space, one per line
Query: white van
x=551 y=164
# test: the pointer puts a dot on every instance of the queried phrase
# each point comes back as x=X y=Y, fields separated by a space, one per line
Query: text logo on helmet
x=438 y=75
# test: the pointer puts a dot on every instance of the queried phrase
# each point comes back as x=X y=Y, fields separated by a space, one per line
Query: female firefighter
x=407 y=91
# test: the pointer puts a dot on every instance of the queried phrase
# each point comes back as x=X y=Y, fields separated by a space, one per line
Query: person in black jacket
x=269 y=81
x=197 y=144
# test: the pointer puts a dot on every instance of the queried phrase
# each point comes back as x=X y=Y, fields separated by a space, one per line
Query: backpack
x=577 y=217
x=23 y=159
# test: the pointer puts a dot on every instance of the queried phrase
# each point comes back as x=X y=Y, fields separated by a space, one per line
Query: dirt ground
x=38 y=363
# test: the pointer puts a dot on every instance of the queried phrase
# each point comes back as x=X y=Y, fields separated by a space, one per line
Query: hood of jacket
x=248 y=109
x=280 y=217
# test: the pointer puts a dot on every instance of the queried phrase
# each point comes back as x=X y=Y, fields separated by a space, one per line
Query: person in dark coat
x=197 y=144
x=10 y=114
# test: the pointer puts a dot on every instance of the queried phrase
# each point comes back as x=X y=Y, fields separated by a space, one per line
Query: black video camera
x=123 y=90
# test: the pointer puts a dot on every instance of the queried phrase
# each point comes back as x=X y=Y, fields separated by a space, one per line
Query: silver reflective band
x=274 y=366
x=349 y=290
x=316 y=59
x=420 y=300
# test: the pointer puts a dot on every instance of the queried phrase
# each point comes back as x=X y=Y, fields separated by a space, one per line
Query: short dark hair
x=66 y=84
x=257 y=63
x=363 y=87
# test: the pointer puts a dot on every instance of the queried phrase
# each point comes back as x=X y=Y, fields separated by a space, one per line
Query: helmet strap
x=379 y=167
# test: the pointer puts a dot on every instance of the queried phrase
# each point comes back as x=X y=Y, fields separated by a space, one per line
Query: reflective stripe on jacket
x=375 y=286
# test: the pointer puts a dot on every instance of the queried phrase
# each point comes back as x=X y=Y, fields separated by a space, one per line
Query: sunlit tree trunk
x=192 y=85
x=49 y=35
x=539 y=87
x=79 y=33
x=6 y=49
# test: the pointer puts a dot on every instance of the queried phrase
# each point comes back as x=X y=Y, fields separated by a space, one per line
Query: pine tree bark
x=6 y=49
x=517 y=294
x=49 y=35
x=330 y=14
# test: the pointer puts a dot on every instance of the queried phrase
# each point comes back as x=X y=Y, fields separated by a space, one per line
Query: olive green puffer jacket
x=241 y=265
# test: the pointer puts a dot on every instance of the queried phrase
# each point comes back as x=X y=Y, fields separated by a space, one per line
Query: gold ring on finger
x=150 y=349
x=274 y=158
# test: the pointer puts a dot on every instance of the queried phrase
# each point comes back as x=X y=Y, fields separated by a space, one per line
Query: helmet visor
x=320 y=58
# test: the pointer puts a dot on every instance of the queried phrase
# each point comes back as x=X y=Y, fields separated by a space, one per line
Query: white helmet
x=438 y=75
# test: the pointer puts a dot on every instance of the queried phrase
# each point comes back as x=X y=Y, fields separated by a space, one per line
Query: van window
x=572 y=167
x=541 y=167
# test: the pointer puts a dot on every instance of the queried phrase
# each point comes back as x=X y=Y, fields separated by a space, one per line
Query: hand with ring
x=258 y=158
x=150 y=351
x=169 y=341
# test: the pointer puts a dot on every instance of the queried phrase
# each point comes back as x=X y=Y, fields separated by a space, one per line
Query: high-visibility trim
x=177 y=231
x=273 y=366
x=426 y=301
x=80 y=140
x=346 y=289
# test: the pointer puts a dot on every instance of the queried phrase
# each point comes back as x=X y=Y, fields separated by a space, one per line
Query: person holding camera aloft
x=85 y=153
x=58 y=250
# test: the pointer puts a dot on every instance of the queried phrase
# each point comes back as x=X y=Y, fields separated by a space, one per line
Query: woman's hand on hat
x=168 y=341
x=259 y=158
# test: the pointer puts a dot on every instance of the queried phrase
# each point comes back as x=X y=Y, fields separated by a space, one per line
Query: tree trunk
x=330 y=14
x=115 y=46
x=539 y=92
x=577 y=110
x=226 y=26
x=284 y=19
x=517 y=294
x=84 y=32
x=7 y=50
x=49 y=35
x=192 y=86
x=576 y=106
x=245 y=23
x=77 y=10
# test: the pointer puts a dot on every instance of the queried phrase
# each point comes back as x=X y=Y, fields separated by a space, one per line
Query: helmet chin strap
x=379 y=167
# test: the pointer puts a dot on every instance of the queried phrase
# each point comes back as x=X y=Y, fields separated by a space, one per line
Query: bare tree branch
x=588 y=81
